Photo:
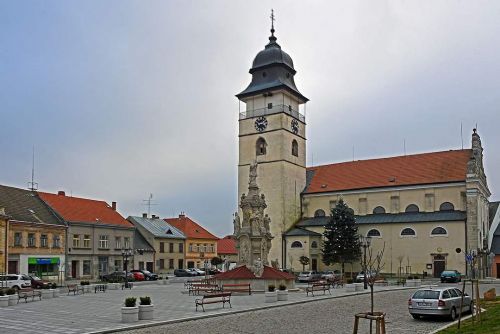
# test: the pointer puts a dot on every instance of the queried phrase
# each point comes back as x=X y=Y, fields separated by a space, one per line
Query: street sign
x=469 y=258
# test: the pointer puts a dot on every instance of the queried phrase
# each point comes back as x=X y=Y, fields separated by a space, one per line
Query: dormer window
x=169 y=231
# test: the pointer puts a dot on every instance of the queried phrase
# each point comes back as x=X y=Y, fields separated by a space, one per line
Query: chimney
x=182 y=214
x=61 y=193
x=144 y=215
x=113 y=206
x=154 y=216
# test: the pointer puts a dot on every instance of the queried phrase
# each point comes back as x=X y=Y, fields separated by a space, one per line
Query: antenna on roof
x=352 y=152
x=462 y=135
x=33 y=186
x=404 y=146
x=149 y=202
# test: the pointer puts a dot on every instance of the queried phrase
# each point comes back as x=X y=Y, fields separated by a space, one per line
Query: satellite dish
x=458 y=250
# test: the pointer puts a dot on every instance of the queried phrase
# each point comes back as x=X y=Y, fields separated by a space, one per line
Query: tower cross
x=272 y=20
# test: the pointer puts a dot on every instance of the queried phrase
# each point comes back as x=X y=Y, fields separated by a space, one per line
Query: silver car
x=308 y=276
x=438 y=301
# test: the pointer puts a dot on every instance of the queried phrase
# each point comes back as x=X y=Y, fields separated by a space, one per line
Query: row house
x=97 y=235
x=32 y=238
x=167 y=241
x=201 y=245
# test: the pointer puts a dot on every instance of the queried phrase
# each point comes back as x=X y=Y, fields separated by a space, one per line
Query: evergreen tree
x=341 y=243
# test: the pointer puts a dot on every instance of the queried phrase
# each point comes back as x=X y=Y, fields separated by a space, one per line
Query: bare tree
x=374 y=265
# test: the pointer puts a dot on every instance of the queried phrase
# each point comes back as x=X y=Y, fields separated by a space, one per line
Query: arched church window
x=295 y=148
x=439 y=231
x=412 y=208
x=446 y=206
x=408 y=232
x=261 y=146
x=319 y=213
x=378 y=210
x=373 y=233
x=314 y=244
x=296 y=244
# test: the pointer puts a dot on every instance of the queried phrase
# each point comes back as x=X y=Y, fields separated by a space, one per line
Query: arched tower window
x=373 y=233
x=296 y=244
x=378 y=210
x=408 y=232
x=446 y=206
x=319 y=213
x=439 y=231
x=412 y=208
x=295 y=148
x=261 y=146
x=314 y=244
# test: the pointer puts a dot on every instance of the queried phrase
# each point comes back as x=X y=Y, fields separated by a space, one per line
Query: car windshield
x=426 y=294
x=146 y=272
x=448 y=272
x=35 y=278
x=305 y=273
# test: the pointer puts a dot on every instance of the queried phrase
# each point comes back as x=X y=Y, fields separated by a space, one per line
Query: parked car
x=148 y=276
x=184 y=273
x=15 y=281
x=197 y=271
x=138 y=276
x=308 y=276
x=38 y=283
x=438 y=301
x=118 y=276
x=451 y=276
x=329 y=275
x=360 y=277
x=214 y=271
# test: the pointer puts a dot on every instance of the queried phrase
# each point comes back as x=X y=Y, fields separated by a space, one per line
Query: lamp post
x=126 y=253
x=365 y=243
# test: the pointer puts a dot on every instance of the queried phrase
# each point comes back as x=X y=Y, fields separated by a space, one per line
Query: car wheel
x=442 y=281
x=15 y=287
x=416 y=316
x=453 y=314
x=471 y=307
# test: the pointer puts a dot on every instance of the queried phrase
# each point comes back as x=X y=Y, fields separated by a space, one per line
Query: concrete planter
x=88 y=288
x=358 y=286
x=350 y=287
x=271 y=297
x=12 y=300
x=4 y=301
x=130 y=314
x=146 y=312
x=47 y=293
x=282 y=295
x=55 y=293
x=114 y=286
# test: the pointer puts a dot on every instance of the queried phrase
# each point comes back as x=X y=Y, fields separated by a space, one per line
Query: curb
x=453 y=323
x=174 y=321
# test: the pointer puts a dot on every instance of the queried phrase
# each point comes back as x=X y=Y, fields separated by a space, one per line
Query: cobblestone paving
x=93 y=312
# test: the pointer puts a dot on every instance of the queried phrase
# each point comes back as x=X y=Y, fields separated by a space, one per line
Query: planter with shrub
x=4 y=299
x=359 y=286
x=47 y=292
x=271 y=295
x=349 y=287
x=146 y=309
x=12 y=296
x=130 y=312
x=413 y=281
x=282 y=293
x=55 y=290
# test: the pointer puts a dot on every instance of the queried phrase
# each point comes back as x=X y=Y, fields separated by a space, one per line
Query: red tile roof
x=75 y=209
x=242 y=272
x=426 y=168
x=190 y=229
x=226 y=245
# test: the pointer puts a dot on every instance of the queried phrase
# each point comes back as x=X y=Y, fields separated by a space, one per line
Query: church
x=426 y=210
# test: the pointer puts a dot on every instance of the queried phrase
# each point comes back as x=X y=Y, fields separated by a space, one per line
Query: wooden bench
x=100 y=288
x=195 y=289
x=318 y=286
x=336 y=282
x=221 y=297
x=75 y=288
x=28 y=292
x=190 y=282
x=244 y=287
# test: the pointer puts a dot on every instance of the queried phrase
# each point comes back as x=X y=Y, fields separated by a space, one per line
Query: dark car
x=38 y=283
x=149 y=276
x=451 y=276
x=118 y=276
x=183 y=273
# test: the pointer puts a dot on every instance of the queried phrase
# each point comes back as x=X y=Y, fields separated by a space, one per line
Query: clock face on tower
x=260 y=124
x=295 y=126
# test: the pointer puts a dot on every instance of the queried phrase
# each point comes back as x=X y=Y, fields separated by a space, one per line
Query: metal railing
x=274 y=110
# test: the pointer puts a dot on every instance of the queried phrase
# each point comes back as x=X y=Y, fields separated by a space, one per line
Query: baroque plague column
x=253 y=237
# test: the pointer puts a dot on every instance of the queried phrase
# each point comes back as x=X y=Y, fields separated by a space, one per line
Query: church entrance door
x=439 y=265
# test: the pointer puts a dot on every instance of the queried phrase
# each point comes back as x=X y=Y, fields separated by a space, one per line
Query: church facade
x=426 y=210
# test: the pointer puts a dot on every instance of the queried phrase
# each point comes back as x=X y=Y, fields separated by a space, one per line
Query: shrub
x=282 y=287
x=10 y=291
x=130 y=301
x=145 y=300
x=271 y=288
x=46 y=286
x=2 y=293
x=350 y=280
x=54 y=286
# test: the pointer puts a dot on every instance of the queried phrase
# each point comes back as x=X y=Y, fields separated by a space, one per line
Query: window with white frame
x=373 y=233
x=439 y=231
x=296 y=244
x=86 y=241
x=408 y=232
x=103 y=241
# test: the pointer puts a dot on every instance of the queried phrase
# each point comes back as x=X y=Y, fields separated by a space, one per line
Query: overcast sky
x=126 y=98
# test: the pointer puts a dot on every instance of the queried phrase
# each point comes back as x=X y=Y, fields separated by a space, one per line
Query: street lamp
x=126 y=253
x=365 y=243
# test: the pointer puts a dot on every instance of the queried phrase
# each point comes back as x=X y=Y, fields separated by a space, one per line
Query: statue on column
x=267 y=223
x=236 y=224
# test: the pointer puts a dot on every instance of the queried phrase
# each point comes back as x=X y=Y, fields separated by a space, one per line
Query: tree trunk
x=343 y=269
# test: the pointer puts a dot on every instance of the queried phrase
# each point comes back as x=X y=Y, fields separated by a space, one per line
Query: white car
x=198 y=272
x=361 y=276
x=15 y=281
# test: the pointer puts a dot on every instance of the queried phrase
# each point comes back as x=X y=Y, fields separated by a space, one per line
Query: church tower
x=272 y=132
